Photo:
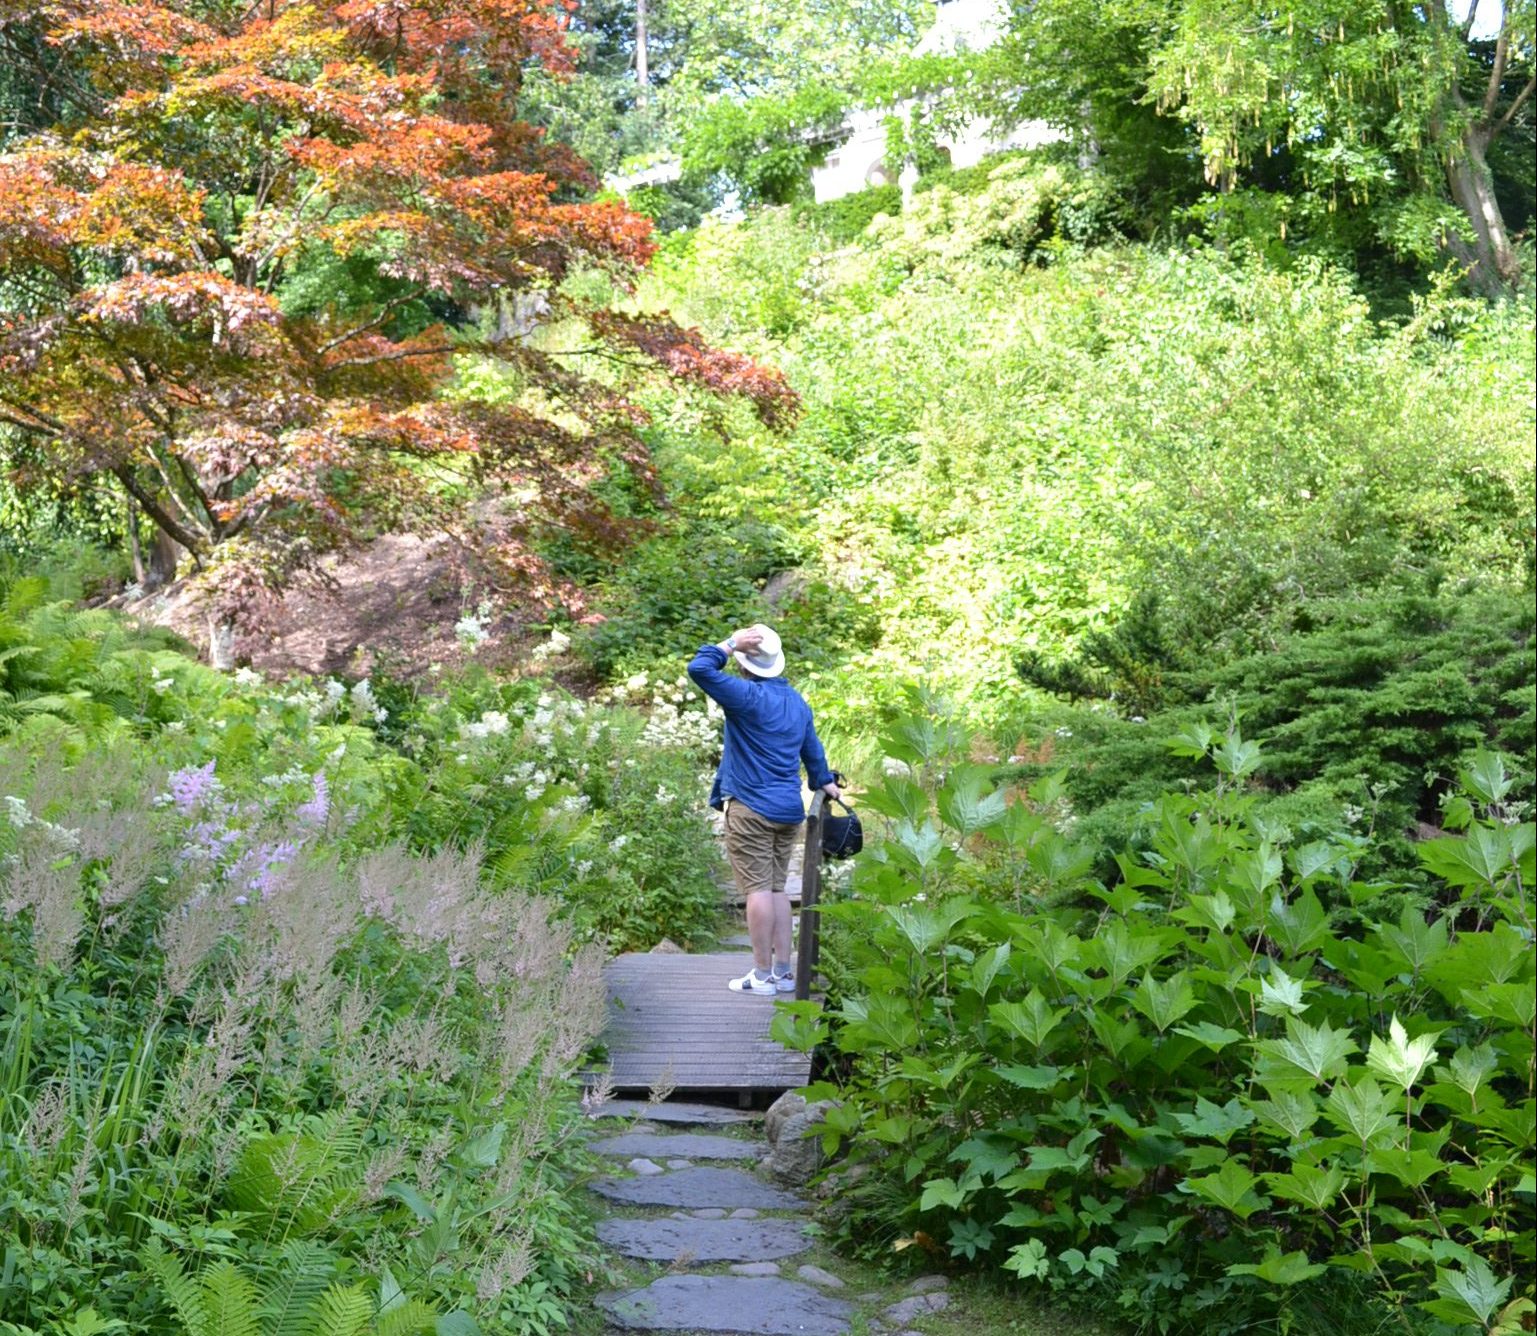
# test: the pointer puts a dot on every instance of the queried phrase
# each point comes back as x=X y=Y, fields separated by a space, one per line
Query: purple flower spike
x=318 y=808
x=192 y=787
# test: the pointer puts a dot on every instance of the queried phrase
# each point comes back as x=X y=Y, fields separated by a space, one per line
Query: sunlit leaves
x=1401 y=1059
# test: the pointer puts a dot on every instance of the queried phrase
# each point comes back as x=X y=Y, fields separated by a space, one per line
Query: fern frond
x=410 y=1318
x=184 y=1293
x=343 y=1310
x=230 y=1301
x=300 y=1276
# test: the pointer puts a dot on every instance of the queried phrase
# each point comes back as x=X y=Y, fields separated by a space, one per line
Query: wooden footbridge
x=672 y=1021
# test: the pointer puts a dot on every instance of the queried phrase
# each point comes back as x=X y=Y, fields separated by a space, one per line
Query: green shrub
x=1363 y=705
x=842 y=220
x=1190 y=1095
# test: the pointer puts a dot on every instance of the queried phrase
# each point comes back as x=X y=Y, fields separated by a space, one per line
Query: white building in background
x=859 y=160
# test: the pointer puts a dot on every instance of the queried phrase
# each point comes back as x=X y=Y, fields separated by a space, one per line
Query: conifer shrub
x=1363 y=705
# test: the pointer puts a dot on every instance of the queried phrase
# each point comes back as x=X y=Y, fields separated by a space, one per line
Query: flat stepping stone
x=692 y=1145
x=754 y=1269
x=692 y=1115
x=752 y=1305
x=697 y=1187
x=668 y=1240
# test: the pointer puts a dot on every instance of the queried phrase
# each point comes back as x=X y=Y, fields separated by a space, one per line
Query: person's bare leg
x=761 y=927
x=782 y=929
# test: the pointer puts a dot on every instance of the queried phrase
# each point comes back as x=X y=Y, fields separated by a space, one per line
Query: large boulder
x=793 y=1128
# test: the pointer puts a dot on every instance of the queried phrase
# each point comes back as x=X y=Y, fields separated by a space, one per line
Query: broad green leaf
x=1231 y=1187
x=1299 y=925
x=1415 y=941
x=1469 y=1295
x=1033 y=1078
x=1214 y=1037
x=1164 y=1002
x=1485 y=775
x=962 y=803
x=1362 y=1110
x=1513 y=1003
x=1280 y=994
x=1317 y=1052
x=1218 y=1122
x=1028 y=1260
x=1401 y=1059
x=942 y=1192
x=1278 y=1268
x=926 y=926
x=1291 y=1111
x=1032 y=1020
x=1308 y=1184
x=986 y=967
x=1409 y=1167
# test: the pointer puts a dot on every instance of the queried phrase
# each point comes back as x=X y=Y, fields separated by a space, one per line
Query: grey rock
x=661 y=1145
x=688 y=1115
x=754 y=1269
x=752 y=1305
x=928 y=1284
x=668 y=1240
x=699 y=1186
x=795 y=1146
x=786 y=1106
x=639 y=1166
x=817 y=1276
x=907 y=1309
x=667 y=947
x=679 y=1164
x=744 y=1213
x=709 y=1213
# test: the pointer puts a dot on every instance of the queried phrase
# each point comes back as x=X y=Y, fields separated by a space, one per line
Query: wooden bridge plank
x=673 y=1015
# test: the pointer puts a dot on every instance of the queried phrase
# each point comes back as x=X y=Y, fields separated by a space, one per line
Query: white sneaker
x=785 y=983
x=751 y=983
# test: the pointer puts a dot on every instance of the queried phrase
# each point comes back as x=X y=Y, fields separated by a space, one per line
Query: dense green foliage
x=293 y=979
x=1365 y=706
x=1010 y=441
x=1197 y=1092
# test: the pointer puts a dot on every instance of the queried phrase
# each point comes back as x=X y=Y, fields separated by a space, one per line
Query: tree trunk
x=1494 y=269
x=164 y=557
x=135 y=551
x=221 y=641
x=642 y=70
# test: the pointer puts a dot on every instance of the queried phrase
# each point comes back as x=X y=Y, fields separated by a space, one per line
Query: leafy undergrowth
x=1216 y=1092
x=294 y=977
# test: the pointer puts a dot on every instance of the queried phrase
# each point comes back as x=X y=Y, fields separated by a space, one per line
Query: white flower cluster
x=492 y=724
x=247 y=677
x=160 y=685
x=474 y=628
x=363 y=705
x=532 y=777
x=558 y=643
x=21 y=816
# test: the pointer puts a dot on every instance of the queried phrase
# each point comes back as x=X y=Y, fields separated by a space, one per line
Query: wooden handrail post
x=808 y=948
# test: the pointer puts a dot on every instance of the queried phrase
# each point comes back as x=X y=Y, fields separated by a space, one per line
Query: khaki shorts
x=759 y=849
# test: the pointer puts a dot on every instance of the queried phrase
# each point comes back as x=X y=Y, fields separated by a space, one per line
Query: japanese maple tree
x=239 y=265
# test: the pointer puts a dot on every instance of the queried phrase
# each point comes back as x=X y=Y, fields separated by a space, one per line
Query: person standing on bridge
x=770 y=735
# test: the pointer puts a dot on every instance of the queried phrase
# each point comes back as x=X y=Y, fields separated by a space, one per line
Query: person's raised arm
x=818 y=776
x=707 y=669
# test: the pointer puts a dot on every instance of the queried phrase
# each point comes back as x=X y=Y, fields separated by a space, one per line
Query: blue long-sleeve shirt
x=769 y=736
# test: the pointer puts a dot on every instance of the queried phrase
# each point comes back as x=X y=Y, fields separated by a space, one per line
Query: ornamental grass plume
x=39 y=880
x=188 y=935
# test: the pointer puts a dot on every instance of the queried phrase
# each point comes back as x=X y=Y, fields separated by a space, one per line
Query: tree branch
x=389 y=309
x=395 y=357
x=1503 y=124
x=156 y=512
x=1497 y=74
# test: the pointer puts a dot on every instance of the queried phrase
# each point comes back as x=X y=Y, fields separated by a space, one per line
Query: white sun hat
x=769 y=658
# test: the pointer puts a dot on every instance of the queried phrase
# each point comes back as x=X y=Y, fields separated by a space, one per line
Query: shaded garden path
x=710 y=1247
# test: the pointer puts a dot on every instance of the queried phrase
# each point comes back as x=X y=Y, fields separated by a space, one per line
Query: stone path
x=721 y=1262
